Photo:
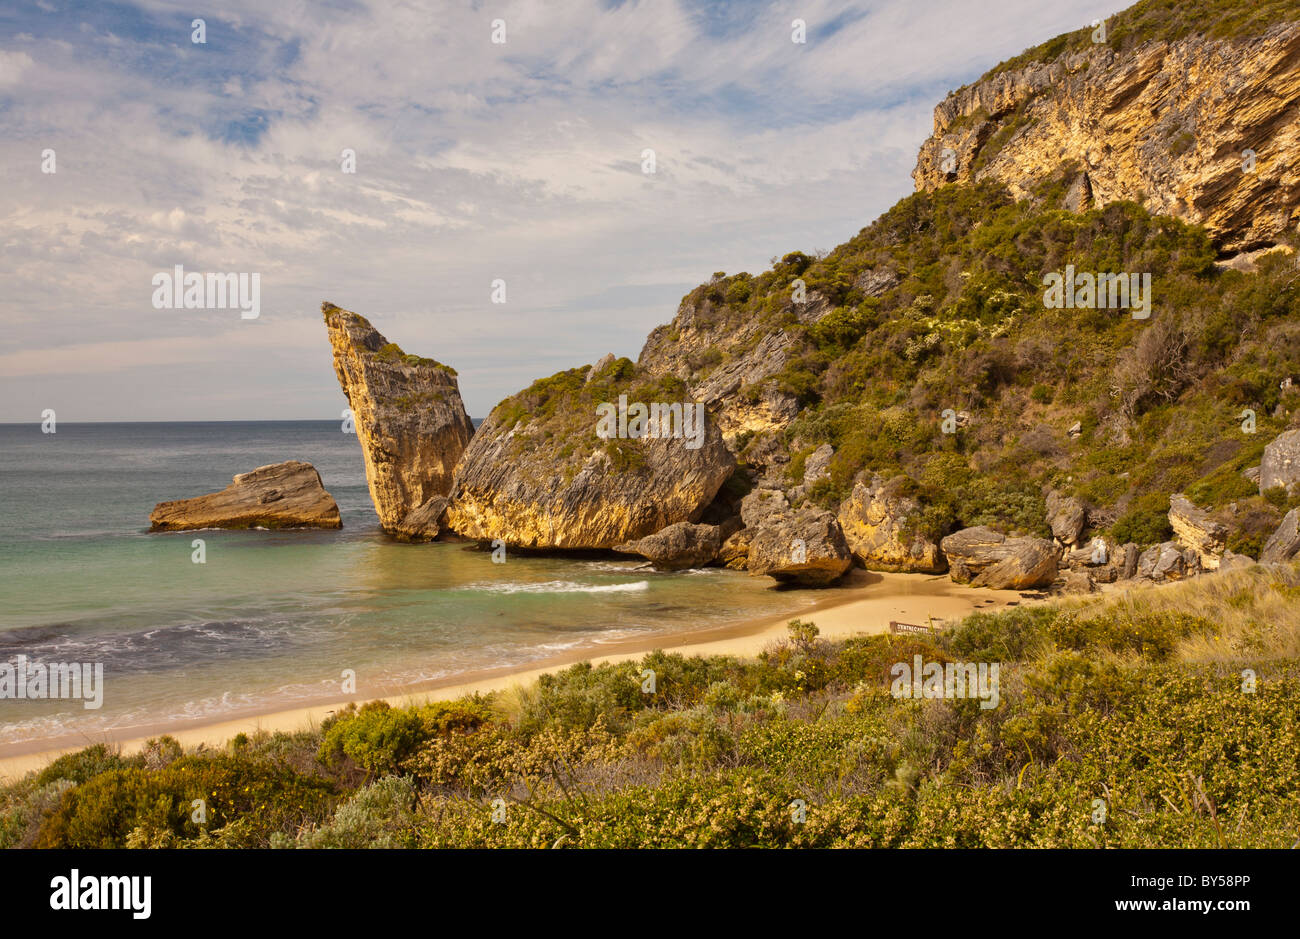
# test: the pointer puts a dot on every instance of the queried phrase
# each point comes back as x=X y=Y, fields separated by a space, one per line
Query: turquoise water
x=272 y=619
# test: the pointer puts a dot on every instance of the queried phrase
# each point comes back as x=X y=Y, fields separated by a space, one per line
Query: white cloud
x=474 y=161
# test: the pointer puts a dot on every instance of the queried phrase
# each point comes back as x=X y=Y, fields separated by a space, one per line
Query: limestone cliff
x=1163 y=122
x=408 y=416
x=539 y=474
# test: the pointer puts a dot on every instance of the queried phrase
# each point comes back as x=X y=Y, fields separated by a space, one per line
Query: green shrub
x=104 y=811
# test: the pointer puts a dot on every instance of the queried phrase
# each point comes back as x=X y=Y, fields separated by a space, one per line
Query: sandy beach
x=865 y=604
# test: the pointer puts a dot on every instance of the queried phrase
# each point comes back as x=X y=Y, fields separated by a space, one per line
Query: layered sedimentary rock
x=678 y=547
x=983 y=557
x=804 y=547
x=875 y=519
x=279 y=495
x=1195 y=528
x=1166 y=124
x=408 y=416
x=538 y=474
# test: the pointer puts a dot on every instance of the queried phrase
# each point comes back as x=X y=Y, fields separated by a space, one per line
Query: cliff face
x=408 y=414
x=538 y=474
x=1164 y=124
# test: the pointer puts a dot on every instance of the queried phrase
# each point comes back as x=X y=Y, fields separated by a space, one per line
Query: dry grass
x=1256 y=610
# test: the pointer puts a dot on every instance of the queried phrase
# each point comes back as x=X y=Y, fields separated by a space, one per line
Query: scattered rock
x=1129 y=561
x=874 y=519
x=422 y=523
x=408 y=414
x=804 y=547
x=983 y=557
x=1078 y=582
x=1252 y=474
x=279 y=495
x=1281 y=463
x=1195 y=528
x=1283 y=544
x=1168 y=561
x=1075 y=431
x=1066 y=516
x=677 y=547
x=1232 y=561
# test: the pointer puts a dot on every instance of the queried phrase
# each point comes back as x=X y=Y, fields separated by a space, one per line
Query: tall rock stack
x=409 y=418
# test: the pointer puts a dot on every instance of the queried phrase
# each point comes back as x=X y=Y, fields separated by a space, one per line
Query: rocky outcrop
x=1066 y=516
x=875 y=519
x=685 y=349
x=677 y=547
x=805 y=547
x=1283 y=544
x=759 y=505
x=1165 y=124
x=734 y=553
x=1280 y=465
x=983 y=557
x=279 y=495
x=408 y=416
x=538 y=474
x=1195 y=528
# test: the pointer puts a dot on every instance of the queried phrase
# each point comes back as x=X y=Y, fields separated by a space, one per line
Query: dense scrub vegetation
x=1124 y=720
x=939 y=305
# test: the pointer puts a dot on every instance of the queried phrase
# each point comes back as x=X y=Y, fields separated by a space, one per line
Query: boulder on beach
x=679 y=546
x=804 y=547
x=983 y=557
x=279 y=495
x=734 y=553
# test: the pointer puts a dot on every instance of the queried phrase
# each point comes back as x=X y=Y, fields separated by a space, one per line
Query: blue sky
x=475 y=161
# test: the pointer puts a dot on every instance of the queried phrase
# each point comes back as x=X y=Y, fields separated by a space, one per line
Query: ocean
x=272 y=620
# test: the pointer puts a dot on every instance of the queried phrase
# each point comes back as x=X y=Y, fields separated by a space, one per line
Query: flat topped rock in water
x=280 y=495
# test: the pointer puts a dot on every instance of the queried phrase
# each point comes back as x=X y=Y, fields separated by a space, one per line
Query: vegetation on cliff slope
x=1160 y=401
x=1167 y=21
x=1134 y=703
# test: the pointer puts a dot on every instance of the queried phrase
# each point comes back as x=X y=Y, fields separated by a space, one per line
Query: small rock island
x=279 y=495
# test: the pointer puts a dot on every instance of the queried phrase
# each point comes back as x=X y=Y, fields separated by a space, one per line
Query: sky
x=475 y=161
